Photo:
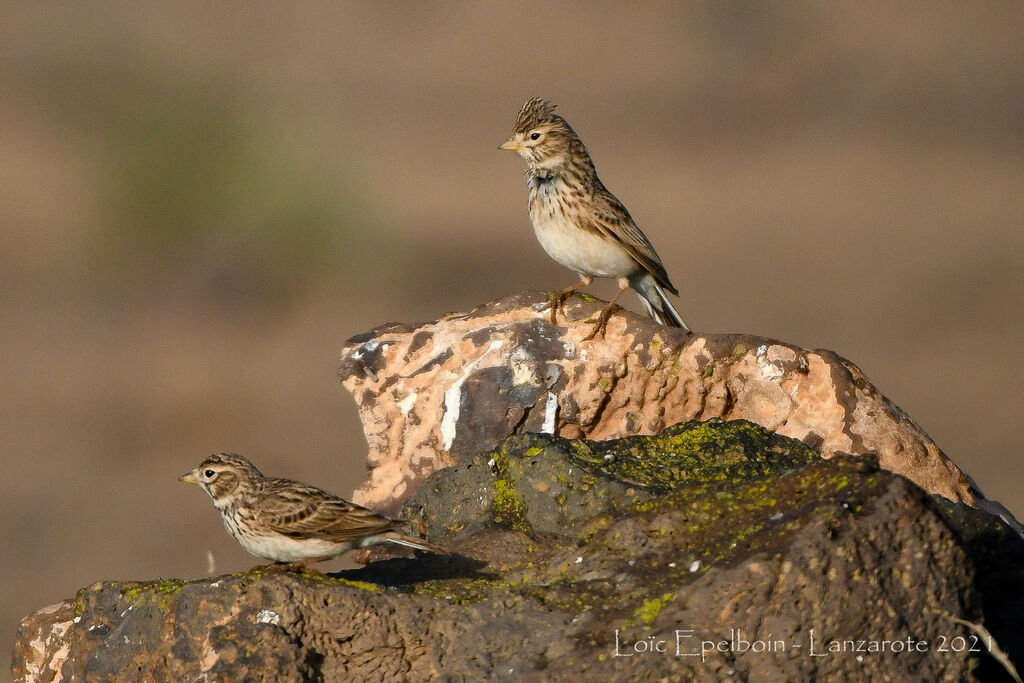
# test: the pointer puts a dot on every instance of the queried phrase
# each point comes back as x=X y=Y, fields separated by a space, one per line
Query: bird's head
x=223 y=476
x=541 y=136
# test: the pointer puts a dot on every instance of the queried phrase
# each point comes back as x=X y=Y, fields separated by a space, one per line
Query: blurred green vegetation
x=199 y=190
x=200 y=193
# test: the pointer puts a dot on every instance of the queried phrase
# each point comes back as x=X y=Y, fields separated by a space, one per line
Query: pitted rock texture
x=568 y=554
x=431 y=395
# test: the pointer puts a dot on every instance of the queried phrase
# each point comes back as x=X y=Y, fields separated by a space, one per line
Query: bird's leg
x=606 y=313
x=556 y=300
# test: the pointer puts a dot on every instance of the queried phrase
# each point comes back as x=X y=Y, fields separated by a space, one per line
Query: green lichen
x=338 y=581
x=698 y=453
x=649 y=611
x=718 y=526
x=500 y=458
x=362 y=585
x=267 y=570
x=509 y=510
x=702 y=494
x=737 y=353
x=157 y=592
x=467 y=591
x=80 y=603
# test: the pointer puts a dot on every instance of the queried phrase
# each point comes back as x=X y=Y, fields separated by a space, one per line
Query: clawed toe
x=602 y=322
x=556 y=304
x=556 y=300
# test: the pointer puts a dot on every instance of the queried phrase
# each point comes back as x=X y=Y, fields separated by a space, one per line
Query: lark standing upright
x=579 y=222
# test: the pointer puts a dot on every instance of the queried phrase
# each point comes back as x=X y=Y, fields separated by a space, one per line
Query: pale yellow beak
x=510 y=145
x=189 y=478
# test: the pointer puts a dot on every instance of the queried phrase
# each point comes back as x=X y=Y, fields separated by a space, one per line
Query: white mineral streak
x=453 y=398
x=550 y=414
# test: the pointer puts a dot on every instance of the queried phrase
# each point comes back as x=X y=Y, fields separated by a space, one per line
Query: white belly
x=281 y=548
x=284 y=549
x=558 y=231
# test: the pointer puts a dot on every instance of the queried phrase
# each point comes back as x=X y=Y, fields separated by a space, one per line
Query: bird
x=579 y=223
x=288 y=522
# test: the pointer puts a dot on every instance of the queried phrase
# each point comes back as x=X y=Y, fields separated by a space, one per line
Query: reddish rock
x=431 y=394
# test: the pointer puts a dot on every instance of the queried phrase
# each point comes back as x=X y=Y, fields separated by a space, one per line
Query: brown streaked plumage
x=287 y=521
x=578 y=222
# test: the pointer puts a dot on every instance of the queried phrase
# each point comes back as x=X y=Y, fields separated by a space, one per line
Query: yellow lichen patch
x=649 y=611
x=509 y=510
x=737 y=353
x=160 y=591
x=698 y=453
x=337 y=580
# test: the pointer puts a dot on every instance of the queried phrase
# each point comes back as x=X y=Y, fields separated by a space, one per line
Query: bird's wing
x=612 y=218
x=302 y=511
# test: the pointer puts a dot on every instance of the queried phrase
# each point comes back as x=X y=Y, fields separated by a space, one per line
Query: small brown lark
x=289 y=522
x=579 y=222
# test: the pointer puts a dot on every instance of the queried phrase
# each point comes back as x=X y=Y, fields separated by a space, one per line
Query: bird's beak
x=189 y=478
x=510 y=145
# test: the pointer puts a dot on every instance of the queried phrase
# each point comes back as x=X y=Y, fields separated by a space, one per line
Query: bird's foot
x=556 y=300
x=602 y=322
x=556 y=304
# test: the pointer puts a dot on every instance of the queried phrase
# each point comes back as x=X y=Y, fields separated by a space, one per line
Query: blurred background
x=201 y=202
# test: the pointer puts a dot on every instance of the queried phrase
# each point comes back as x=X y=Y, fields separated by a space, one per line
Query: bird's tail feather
x=658 y=306
x=418 y=543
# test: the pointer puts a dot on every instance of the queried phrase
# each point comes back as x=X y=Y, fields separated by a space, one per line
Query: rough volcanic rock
x=582 y=558
x=430 y=395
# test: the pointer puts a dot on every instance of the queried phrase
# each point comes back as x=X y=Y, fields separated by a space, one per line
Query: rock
x=579 y=558
x=434 y=394
x=606 y=522
x=548 y=487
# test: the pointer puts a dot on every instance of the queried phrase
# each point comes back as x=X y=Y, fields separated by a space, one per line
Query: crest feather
x=232 y=460
x=535 y=112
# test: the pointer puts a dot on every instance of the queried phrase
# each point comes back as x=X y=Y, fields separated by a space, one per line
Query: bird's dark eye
x=209 y=474
x=534 y=136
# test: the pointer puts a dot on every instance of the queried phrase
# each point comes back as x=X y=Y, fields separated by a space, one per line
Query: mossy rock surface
x=696 y=455
x=543 y=483
x=570 y=553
